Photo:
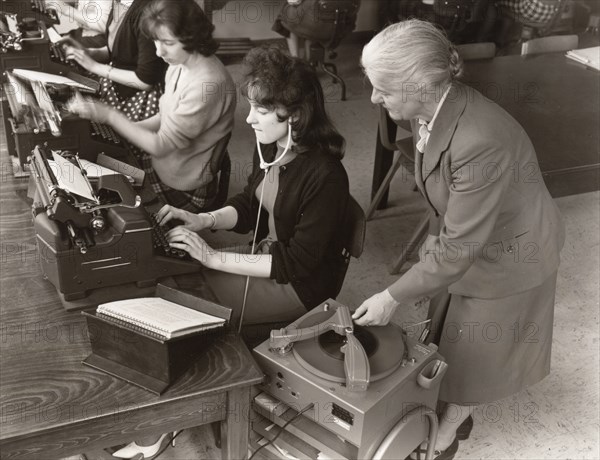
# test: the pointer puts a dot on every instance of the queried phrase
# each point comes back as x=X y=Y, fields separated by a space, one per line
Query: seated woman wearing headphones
x=295 y=201
x=183 y=143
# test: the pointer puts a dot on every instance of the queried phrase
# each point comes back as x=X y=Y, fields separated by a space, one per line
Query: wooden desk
x=555 y=100
x=52 y=406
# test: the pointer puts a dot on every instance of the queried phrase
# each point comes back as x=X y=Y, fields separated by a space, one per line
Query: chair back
x=353 y=238
x=342 y=14
x=472 y=51
x=221 y=162
x=550 y=44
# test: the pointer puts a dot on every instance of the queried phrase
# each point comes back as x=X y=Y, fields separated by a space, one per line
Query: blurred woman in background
x=183 y=145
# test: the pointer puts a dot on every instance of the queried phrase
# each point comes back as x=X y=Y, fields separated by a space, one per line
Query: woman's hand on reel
x=376 y=310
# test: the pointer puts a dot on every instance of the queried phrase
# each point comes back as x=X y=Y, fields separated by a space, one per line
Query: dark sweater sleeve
x=323 y=207
x=150 y=68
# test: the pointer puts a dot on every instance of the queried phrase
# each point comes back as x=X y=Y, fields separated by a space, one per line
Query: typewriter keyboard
x=160 y=243
x=104 y=133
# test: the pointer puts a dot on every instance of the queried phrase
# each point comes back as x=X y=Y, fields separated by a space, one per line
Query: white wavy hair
x=411 y=51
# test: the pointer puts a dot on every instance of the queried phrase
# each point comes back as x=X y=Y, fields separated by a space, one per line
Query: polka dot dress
x=140 y=106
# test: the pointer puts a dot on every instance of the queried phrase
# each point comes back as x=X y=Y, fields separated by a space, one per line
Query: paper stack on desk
x=588 y=56
x=160 y=316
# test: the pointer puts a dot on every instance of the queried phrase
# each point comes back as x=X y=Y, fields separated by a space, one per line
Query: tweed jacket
x=499 y=232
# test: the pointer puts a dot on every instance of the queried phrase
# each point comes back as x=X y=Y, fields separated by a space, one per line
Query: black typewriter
x=94 y=234
x=45 y=119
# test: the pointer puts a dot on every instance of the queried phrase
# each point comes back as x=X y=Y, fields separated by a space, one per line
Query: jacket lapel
x=443 y=128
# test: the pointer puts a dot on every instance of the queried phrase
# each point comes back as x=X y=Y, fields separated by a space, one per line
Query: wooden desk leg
x=235 y=428
x=415 y=240
x=382 y=163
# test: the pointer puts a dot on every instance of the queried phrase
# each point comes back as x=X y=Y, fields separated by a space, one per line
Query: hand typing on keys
x=89 y=108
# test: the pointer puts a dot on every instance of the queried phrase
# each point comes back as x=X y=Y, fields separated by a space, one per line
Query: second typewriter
x=34 y=113
x=95 y=239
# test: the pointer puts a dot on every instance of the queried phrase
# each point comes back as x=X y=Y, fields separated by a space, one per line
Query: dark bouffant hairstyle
x=290 y=86
x=186 y=21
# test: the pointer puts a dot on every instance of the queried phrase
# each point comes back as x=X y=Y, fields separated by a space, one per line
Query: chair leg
x=331 y=66
x=412 y=245
x=336 y=77
x=216 y=429
x=384 y=186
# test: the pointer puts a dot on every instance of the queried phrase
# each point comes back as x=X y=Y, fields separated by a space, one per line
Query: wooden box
x=142 y=358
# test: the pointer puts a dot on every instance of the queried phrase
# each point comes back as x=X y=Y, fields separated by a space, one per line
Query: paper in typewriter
x=48 y=78
x=160 y=316
x=71 y=179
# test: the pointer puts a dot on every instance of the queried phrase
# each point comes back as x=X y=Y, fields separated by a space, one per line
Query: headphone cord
x=264 y=166
x=262 y=190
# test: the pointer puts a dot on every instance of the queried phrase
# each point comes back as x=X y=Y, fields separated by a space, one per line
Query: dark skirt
x=267 y=301
x=197 y=200
x=494 y=347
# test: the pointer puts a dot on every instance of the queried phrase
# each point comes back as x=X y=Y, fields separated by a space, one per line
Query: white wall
x=253 y=18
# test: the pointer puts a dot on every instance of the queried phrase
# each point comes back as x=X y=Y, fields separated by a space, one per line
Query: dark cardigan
x=309 y=213
x=133 y=50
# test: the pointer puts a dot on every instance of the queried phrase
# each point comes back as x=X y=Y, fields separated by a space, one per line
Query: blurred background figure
x=303 y=22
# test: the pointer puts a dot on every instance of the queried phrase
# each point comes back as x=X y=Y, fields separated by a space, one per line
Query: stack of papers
x=588 y=56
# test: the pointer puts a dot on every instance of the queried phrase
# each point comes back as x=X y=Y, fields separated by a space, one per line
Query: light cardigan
x=196 y=112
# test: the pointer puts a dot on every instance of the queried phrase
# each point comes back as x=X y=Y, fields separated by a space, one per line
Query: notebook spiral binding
x=135 y=325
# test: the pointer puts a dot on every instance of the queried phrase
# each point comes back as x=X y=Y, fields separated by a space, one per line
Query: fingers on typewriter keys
x=112 y=135
x=95 y=130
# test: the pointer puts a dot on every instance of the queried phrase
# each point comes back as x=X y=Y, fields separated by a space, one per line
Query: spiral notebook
x=159 y=316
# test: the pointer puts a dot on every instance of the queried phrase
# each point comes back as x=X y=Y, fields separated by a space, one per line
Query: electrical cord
x=262 y=190
x=271 y=441
x=264 y=166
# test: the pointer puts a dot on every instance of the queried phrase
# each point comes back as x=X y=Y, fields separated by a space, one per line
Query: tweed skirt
x=494 y=347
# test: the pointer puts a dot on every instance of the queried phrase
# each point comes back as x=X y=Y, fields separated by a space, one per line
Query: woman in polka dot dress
x=184 y=143
x=131 y=74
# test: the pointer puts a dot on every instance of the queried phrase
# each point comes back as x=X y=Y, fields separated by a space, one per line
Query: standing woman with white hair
x=493 y=251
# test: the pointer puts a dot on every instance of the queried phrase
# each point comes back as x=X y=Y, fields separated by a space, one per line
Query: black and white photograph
x=300 y=229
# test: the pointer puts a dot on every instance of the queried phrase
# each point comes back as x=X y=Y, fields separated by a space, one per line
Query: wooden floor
x=555 y=419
